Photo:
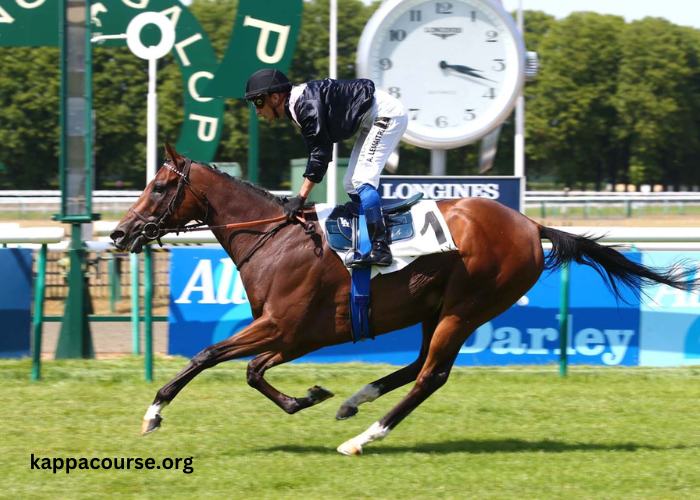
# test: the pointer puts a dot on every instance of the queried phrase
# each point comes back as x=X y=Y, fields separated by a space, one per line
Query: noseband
x=153 y=226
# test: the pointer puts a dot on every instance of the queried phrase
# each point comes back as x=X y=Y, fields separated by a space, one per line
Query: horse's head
x=169 y=201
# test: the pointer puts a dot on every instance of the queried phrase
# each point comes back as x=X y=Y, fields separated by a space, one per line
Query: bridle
x=153 y=226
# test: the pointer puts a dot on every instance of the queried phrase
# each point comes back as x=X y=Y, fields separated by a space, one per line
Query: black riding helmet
x=266 y=81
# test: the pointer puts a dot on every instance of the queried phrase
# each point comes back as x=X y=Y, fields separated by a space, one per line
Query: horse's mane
x=243 y=183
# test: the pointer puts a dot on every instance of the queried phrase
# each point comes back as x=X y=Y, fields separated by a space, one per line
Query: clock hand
x=464 y=69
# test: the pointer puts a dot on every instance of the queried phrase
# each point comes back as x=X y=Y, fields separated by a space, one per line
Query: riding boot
x=380 y=254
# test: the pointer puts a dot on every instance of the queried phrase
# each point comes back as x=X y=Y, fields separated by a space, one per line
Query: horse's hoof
x=318 y=394
x=350 y=449
x=150 y=425
x=345 y=412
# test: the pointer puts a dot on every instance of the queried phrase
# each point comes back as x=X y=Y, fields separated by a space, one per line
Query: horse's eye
x=158 y=188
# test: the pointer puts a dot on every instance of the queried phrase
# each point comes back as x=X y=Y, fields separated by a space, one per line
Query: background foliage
x=614 y=102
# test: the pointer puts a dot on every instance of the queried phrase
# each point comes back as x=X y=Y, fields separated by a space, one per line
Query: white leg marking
x=365 y=395
x=153 y=410
x=354 y=446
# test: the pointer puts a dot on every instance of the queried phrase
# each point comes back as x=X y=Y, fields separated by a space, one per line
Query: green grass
x=603 y=433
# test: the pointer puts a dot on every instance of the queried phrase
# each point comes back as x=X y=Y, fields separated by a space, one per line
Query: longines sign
x=506 y=190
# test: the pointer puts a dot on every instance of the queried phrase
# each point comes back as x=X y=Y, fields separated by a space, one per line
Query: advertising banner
x=506 y=190
x=208 y=304
x=670 y=318
x=15 y=301
x=602 y=331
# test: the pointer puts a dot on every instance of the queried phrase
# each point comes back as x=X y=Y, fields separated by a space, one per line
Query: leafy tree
x=29 y=97
x=572 y=113
x=657 y=101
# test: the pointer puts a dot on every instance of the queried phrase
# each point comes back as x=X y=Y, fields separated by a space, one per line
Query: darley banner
x=264 y=36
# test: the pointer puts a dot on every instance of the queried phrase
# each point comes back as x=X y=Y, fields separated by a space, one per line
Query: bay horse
x=298 y=287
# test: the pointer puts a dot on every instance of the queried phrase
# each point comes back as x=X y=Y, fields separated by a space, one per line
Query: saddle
x=397 y=216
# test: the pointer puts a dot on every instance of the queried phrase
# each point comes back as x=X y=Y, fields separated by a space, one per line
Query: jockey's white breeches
x=380 y=133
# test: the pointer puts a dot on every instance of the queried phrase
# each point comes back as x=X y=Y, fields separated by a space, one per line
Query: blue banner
x=208 y=304
x=601 y=330
x=670 y=318
x=505 y=190
x=15 y=301
x=207 y=301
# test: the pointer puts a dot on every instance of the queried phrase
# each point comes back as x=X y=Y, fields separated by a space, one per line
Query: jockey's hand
x=294 y=206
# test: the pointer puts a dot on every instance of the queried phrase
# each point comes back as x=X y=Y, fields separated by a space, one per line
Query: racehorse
x=298 y=287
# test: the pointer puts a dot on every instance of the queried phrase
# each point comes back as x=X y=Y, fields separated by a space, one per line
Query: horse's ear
x=171 y=153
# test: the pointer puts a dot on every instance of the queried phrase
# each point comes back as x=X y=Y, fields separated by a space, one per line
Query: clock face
x=456 y=66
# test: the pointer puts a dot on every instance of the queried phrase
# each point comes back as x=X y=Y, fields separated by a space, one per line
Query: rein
x=153 y=230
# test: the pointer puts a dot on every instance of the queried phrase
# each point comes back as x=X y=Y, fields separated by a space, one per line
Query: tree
x=571 y=113
x=29 y=128
x=658 y=103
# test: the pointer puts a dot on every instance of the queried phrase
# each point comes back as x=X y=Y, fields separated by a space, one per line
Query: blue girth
x=359 y=288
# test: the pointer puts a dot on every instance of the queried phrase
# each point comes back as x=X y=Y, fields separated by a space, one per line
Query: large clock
x=457 y=66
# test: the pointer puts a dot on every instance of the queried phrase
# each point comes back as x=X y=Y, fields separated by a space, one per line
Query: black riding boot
x=380 y=254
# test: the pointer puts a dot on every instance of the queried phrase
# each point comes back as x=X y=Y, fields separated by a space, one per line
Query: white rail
x=35 y=235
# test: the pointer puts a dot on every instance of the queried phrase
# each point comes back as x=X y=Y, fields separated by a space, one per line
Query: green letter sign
x=35 y=23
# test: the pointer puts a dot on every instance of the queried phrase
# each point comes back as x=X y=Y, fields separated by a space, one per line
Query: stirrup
x=368 y=260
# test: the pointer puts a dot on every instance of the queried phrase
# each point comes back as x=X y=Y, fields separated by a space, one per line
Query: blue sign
x=207 y=300
x=506 y=190
x=208 y=304
x=601 y=330
x=670 y=318
x=15 y=301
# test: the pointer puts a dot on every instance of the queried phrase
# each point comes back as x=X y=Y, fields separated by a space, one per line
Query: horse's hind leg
x=252 y=340
x=399 y=378
x=256 y=371
x=442 y=353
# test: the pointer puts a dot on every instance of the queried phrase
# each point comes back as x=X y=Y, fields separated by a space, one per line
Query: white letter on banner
x=192 y=85
x=508 y=340
x=28 y=5
x=184 y=43
x=175 y=11
x=482 y=339
x=203 y=272
x=538 y=336
x=589 y=342
x=5 y=17
x=141 y=4
x=202 y=133
x=265 y=28
x=225 y=282
x=619 y=341
x=95 y=10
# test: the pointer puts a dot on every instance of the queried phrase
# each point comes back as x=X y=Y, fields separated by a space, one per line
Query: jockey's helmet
x=266 y=81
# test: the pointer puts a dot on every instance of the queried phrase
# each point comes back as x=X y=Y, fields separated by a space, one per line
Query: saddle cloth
x=420 y=231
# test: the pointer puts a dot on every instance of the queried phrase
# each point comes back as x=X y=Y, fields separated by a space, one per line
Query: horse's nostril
x=117 y=234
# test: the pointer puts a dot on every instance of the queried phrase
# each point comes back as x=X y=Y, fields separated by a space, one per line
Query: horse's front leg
x=260 y=336
x=256 y=372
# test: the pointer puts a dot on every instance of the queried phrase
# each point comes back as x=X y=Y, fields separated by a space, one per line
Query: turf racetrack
x=523 y=433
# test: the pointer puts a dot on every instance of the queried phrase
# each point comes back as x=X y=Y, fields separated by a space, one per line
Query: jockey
x=329 y=111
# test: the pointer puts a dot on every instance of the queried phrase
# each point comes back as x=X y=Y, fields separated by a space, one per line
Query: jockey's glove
x=293 y=206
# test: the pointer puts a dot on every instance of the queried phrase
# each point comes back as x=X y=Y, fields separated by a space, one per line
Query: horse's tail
x=613 y=267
